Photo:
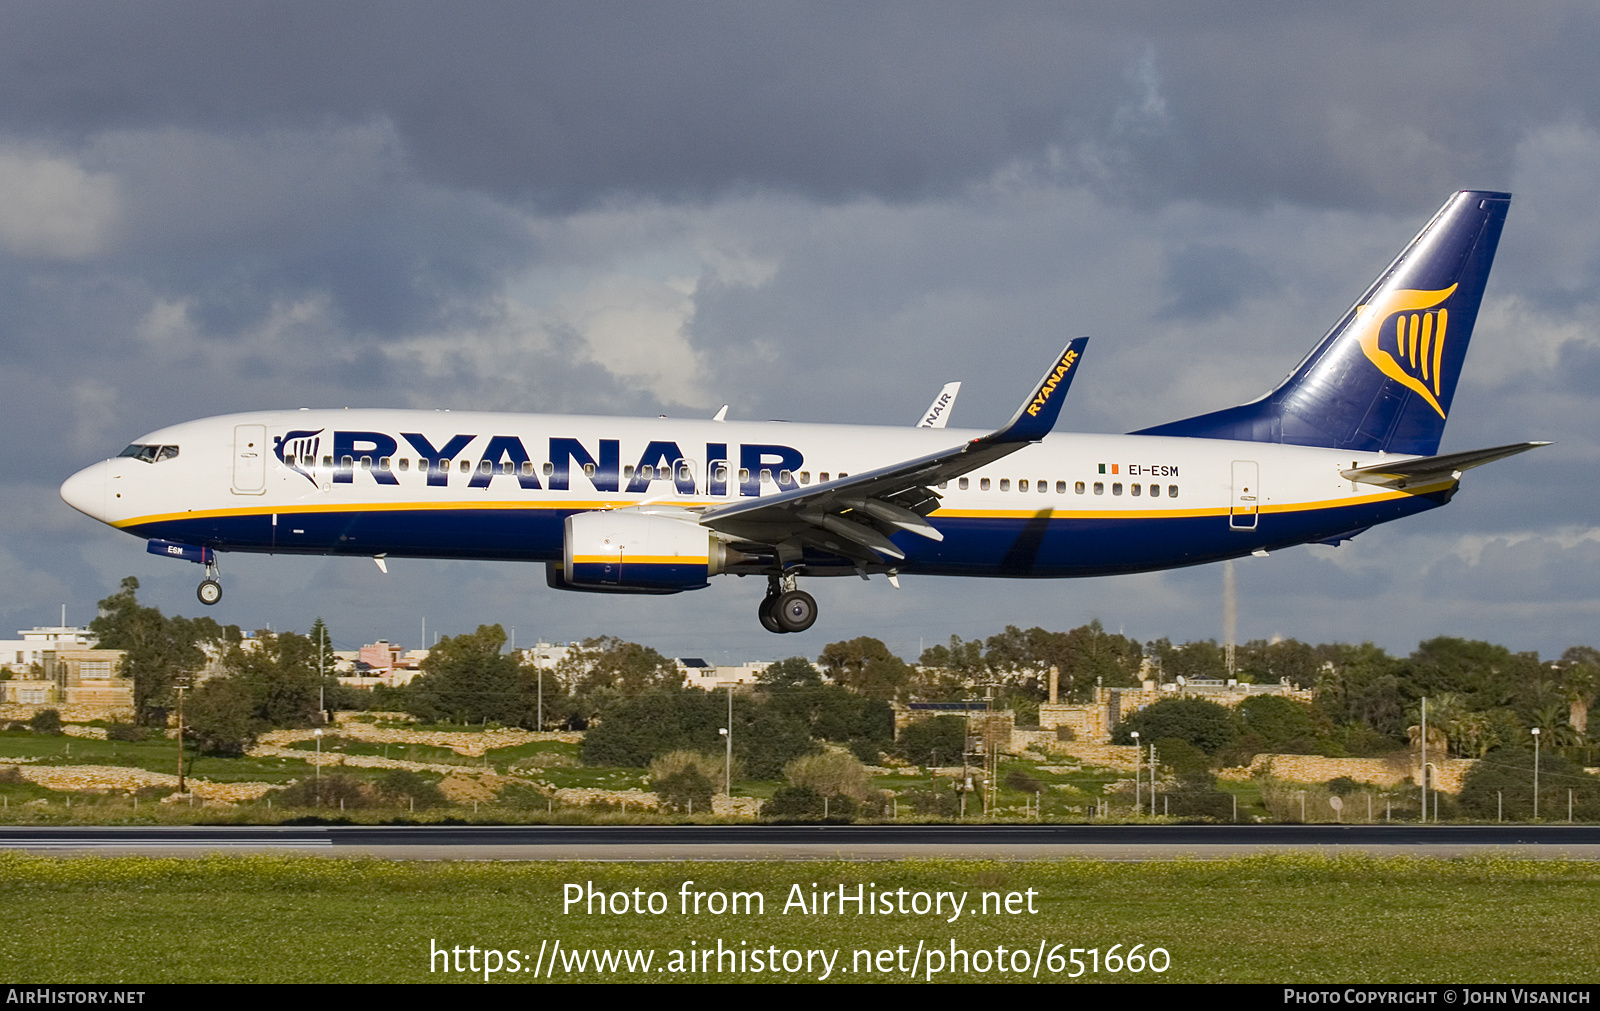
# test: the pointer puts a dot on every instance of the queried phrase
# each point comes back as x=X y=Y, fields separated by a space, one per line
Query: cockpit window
x=150 y=454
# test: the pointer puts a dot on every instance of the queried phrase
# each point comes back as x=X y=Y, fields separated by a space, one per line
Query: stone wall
x=1447 y=776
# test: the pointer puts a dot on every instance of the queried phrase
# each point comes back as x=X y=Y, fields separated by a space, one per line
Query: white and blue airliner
x=1349 y=440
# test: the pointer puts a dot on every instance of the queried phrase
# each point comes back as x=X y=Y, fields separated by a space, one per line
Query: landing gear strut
x=210 y=589
x=785 y=608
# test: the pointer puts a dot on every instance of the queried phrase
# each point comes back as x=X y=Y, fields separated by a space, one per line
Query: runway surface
x=817 y=842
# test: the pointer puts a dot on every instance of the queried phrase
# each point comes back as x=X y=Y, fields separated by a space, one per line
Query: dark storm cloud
x=820 y=212
x=1367 y=105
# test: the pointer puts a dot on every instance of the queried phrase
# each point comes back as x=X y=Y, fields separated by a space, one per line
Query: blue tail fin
x=1384 y=376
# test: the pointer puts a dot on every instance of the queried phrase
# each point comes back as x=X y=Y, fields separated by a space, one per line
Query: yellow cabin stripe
x=641 y=559
x=579 y=504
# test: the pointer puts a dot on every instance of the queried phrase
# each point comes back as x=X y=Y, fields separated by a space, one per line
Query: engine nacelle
x=626 y=550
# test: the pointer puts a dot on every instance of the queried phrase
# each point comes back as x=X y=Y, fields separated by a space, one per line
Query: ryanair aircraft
x=612 y=505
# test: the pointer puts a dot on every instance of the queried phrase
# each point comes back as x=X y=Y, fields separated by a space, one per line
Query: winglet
x=1037 y=416
x=938 y=412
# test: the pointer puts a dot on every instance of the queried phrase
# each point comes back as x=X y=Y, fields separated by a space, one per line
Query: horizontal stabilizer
x=1432 y=469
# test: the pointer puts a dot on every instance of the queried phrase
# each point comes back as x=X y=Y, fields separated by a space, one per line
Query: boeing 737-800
x=613 y=505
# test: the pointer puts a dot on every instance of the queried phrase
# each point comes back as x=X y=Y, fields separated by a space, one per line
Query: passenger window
x=823 y=477
x=327 y=463
x=785 y=479
x=627 y=472
x=548 y=468
x=843 y=475
x=1155 y=491
x=720 y=472
x=1077 y=487
x=405 y=464
x=527 y=468
x=1172 y=491
x=288 y=461
x=347 y=463
x=983 y=484
x=1135 y=489
x=466 y=466
x=648 y=472
x=1044 y=486
x=1005 y=484
x=1022 y=485
x=744 y=474
x=1116 y=488
x=944 y=484
x=963 y=484
x=805 y=477
x=685 y=472
x=1099 y=488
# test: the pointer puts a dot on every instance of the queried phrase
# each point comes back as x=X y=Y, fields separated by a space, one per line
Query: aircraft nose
x=85 y=491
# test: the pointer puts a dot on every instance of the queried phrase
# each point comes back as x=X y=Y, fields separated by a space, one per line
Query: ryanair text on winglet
x=1062 y=368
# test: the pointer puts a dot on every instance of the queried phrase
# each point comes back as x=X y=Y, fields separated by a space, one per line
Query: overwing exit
x=1348 y=440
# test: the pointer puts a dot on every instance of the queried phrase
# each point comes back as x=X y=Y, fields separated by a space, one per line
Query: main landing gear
x=210 y=589
x=785 y=608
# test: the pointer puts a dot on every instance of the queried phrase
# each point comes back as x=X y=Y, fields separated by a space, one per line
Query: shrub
x=327 y=792
x=793 y=802
x=1181 y=757
x=129 y=732
x=1203 y=724
x=805 y=802
x=830 y=774
x=935 y=740
x=934 y=802
x=1020 y=781
x=710 y=766
x=683 y=791
x=410 y=790
x=46 y=721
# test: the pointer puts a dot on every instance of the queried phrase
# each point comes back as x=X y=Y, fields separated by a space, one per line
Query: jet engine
x=629 y=551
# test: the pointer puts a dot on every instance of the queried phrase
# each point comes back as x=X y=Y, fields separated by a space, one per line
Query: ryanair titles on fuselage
x=601 y=463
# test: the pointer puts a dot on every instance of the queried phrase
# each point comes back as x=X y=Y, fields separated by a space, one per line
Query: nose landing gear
x=786 y=608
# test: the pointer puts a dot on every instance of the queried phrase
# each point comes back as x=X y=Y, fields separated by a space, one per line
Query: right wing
x=854 y=516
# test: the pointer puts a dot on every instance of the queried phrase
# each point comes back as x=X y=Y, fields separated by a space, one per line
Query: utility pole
x=180 y=740
x=1424 y=758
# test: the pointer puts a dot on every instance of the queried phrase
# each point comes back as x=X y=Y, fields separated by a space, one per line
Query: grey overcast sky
x=811 y=211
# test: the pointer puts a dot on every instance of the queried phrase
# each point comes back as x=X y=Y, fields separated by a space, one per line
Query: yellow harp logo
x=1404 y=340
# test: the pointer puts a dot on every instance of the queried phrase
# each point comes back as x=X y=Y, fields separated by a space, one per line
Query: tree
x=220 y=716
x=864 y=665
x=1502 y=785
x=468 y=678
x=1203 y=724
x=936 y=740
x=281 y=674
x=600 y=671
x=634 y=731
x=160 y=651
x=1284 y=725
x=795 y=672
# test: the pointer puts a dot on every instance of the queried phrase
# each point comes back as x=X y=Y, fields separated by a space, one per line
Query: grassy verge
x=1295 y=918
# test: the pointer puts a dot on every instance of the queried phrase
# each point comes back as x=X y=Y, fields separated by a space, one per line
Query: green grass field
x=1283 y=919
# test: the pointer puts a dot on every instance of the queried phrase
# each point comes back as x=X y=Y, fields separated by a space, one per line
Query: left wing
x=854 y=516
